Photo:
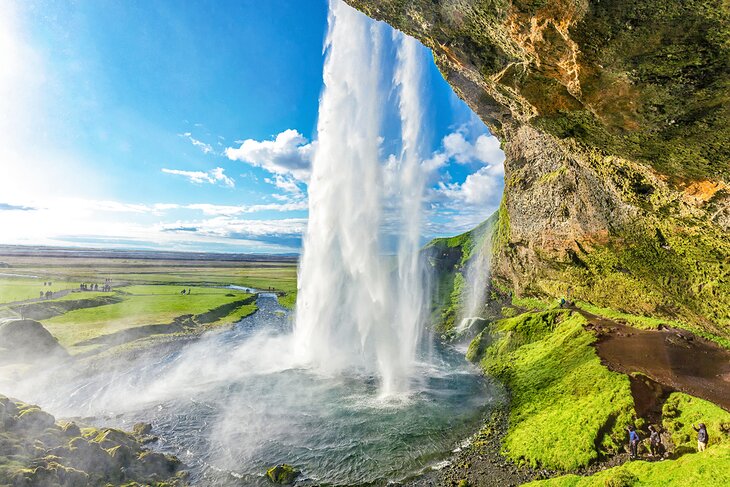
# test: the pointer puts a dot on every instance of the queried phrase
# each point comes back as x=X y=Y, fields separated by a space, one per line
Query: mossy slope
x=711 y=467
x=567 y=410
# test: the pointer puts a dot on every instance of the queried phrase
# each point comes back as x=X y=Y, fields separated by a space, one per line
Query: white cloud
x=285 y=183
x=205 y=148
x=289 y=154
x=484 y=150
x=478 y=189
x=211 y=209
x=213 y=176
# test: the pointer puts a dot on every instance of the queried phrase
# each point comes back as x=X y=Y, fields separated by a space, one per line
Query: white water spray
x=352 y=310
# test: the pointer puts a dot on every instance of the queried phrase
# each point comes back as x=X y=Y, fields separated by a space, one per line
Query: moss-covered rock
x=28 y=339
x=283 y=474
x=615 y=122
x=37 y=451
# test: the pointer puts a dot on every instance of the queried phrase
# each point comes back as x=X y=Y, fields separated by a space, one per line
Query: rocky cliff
x=613 y=115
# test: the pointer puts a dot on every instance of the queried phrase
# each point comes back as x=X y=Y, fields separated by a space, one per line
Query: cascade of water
x=352 y=310
x=411 y=304
x=477 y=278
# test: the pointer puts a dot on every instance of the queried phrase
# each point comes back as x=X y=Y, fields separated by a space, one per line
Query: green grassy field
x=145 y=292
x=141 y=305
x=21 y=288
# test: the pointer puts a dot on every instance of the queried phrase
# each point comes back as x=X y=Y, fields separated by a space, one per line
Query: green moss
x=681 y=412
x=282 y=474
x=567 y=409
x=669 y=270
x=288 y=300
x=711 y=467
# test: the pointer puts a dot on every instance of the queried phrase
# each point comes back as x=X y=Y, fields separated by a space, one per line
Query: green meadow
x=146 y=294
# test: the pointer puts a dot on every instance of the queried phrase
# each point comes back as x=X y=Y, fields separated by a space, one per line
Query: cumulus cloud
x=213 y=176
x=479 y=188
x=289 y=154
x=205 y=148
x=484 y=150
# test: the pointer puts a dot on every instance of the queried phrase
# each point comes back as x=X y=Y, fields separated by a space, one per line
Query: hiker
x=702 y=437
x=655 y=442
x=633 y=442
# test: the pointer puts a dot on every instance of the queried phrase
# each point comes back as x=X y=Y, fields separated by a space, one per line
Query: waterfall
x=476 y=278
x=354 y=310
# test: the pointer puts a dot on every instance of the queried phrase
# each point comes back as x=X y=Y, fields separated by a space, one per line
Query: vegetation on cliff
x=614 y=121
x=680 y=412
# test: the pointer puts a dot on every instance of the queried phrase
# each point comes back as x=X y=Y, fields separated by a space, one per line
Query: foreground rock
x=35 y=450
x=283 y=474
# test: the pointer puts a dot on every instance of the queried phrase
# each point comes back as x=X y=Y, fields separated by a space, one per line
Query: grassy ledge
x=567 y=410
x=711 y=467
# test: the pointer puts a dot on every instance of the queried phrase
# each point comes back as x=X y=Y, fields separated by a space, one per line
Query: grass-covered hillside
x=567 y=410
x=448 y=260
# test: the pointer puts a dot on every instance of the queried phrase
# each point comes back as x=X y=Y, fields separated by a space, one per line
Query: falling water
x=353 y=311
x=476 y=276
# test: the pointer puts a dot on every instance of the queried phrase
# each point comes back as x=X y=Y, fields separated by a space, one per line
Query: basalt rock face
x=613 y=116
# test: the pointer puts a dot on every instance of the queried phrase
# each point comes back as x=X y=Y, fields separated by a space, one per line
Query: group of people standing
x=656 y=447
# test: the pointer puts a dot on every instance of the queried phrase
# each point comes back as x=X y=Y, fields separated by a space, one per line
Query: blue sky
x=189 y=125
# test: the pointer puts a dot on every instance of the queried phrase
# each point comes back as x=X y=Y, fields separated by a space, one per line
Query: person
x=655 y=441
x=633 y=441
x=702 y=437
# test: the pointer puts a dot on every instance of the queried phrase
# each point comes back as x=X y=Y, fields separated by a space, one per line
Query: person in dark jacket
x=702 y=437
x=633 y=441
x=655 y=442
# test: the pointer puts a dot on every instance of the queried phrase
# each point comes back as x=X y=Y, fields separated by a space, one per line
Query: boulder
x=33 y=419
x=283 y=474
x=157 y=464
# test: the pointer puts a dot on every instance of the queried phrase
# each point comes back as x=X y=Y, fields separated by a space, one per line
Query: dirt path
x=673 y=360
x=56 y=295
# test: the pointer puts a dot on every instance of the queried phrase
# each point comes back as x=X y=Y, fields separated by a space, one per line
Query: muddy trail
x=662 y=361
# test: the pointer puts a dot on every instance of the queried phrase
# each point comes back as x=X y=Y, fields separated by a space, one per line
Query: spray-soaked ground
x=232 y=404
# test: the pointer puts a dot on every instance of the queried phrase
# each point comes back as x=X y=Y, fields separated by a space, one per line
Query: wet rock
x=89 y=457
x=283 y=474
x=33 y=419
x=46 y=454
x=142 y=429
x=71 y=429
x=153 y=463
x=109 y=438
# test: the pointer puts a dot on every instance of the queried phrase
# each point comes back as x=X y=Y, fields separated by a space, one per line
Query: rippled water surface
x=232 y=404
